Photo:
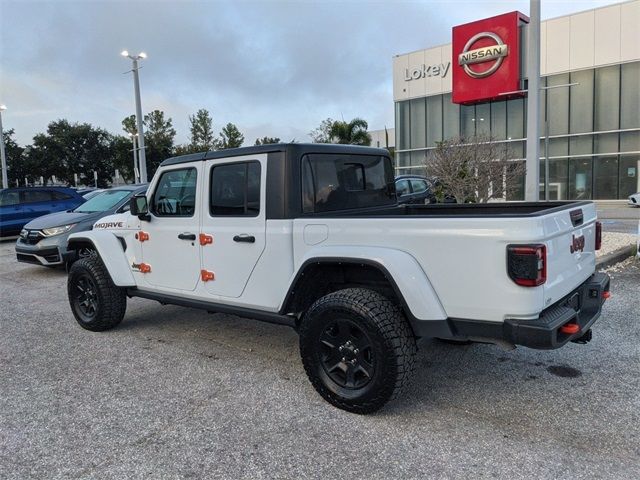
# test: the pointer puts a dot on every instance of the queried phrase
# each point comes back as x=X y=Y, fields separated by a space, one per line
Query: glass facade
x=590 y=130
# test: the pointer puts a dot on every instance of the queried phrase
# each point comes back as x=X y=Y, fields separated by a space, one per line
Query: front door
x=234 y=221
x=171 y=250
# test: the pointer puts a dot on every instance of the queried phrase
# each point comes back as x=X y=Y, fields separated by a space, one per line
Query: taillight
x=598 y=235
x=527 y=264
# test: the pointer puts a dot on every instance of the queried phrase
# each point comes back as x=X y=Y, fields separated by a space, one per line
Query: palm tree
x=353 y=132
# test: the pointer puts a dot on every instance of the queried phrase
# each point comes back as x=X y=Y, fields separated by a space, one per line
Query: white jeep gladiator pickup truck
x=312 y=236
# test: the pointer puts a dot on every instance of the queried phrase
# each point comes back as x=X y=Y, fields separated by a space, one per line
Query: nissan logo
x=495 y=52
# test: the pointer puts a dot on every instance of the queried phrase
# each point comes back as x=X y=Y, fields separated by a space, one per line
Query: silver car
x=43 y=241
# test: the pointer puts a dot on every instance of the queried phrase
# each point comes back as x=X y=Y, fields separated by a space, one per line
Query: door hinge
x=141 y=267
x=206 y=239
x=142 y=236
x=206 y=275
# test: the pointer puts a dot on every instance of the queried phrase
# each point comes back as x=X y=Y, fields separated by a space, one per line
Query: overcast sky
x=273 y=68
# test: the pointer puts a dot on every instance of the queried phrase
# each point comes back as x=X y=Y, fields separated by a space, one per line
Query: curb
x=614 y=257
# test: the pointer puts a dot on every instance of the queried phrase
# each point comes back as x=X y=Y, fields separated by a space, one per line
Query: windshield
x=103 y=201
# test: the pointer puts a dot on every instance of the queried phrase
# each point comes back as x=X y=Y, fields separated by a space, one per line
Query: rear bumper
x=582 y=307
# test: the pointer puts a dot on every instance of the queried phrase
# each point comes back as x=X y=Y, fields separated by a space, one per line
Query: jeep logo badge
x=495 y=52
x=577 y=244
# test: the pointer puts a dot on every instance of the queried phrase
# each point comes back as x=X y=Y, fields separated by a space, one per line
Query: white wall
x=378 y=138
x=587 y=39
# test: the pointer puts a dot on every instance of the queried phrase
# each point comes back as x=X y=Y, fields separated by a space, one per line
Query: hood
x=63 y=218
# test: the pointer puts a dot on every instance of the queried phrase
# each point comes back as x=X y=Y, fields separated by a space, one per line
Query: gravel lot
x=176 y=393
x=612 y=241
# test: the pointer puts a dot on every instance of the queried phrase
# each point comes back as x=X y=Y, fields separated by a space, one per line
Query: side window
x=402 y=188
x=9 y=198
x=60 y=196
x=339 y=182
x=418 y=186
x=235 y=190
x=32 y=196
x=175 y=194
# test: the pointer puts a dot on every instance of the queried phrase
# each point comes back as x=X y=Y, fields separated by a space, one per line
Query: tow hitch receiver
x=584 y=339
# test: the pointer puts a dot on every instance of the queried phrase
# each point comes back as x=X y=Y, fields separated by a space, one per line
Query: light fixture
x=124 y=53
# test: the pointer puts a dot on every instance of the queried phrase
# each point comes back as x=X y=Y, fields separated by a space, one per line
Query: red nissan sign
x=486 y=58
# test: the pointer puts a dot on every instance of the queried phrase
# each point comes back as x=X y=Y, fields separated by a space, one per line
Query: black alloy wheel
x=346 y=354
x=86 y=297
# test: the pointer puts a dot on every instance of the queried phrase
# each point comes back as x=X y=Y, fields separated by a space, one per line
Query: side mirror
x=138 y=206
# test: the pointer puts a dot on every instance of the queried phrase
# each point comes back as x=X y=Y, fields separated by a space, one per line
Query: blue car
x=18 y=206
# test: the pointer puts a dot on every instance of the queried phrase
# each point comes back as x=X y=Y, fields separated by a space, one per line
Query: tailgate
x=570 y=238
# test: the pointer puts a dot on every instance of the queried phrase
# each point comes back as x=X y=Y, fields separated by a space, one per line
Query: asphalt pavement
x=178 y=393
x=618 y=217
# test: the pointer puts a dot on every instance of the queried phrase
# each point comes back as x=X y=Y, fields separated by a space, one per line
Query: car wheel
x=357 y=348
x=96 y=302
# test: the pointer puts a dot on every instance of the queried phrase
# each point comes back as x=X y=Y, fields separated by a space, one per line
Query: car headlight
x=50 y=232
x=24 y=233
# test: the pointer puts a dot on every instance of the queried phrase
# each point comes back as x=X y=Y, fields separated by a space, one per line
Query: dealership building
x=590 y=98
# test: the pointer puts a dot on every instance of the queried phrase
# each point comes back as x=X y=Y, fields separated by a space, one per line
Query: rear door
x=171 y=249
x=419 y=190
x=10 y=212
x=233 y=222
x=36 y=202
x=570 y=240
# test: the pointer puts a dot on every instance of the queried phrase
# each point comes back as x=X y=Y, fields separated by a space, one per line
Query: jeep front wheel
x=96 y=302
x=357 y=348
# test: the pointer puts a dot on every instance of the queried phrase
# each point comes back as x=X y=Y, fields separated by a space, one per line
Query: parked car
x=419 y=190
x=18 y=206
x=87 y=194
x=634 y=200
x=43 y=241
x=311 y=236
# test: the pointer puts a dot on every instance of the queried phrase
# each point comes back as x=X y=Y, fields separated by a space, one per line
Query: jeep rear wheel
x=357 y=349
x=96 y=302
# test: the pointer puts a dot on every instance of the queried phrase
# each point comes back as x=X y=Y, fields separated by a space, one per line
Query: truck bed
x=486 y=210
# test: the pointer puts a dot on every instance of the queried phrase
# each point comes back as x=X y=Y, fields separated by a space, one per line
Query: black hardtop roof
x=298 y=149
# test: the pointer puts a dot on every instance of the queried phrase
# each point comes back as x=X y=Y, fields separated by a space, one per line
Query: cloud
x=273 y=68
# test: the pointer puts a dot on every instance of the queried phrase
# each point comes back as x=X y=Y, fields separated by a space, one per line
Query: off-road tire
x=110 y=301
x=391 y=343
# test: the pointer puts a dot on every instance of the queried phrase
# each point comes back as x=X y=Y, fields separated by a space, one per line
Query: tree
x=17 y=169
x=159 y=136
x=267 y=140
x=121 y=148
x=353 y=132
x=322 y=134
x=474 y=169
x=129 y=125
x=72 y=148
x=202 y=136
x=230 y=137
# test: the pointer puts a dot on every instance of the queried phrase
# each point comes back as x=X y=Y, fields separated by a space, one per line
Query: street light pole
x=135 y=158
x=136 y=88
x=5 y=177
x=532 y=182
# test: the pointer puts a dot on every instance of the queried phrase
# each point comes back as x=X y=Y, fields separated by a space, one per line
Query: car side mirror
x=138 y=206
